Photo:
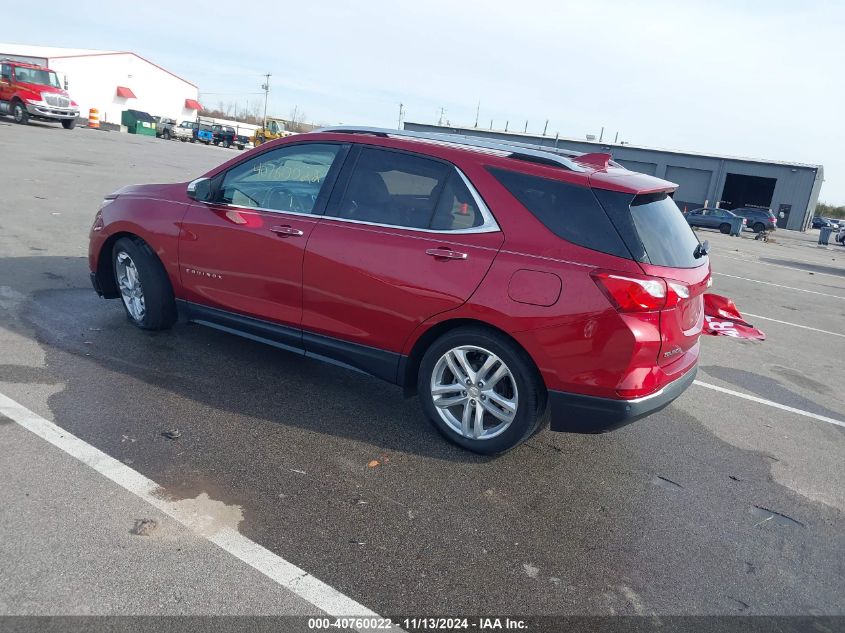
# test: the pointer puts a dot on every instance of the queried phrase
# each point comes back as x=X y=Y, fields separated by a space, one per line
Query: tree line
x=829 y=211
x=253 y=114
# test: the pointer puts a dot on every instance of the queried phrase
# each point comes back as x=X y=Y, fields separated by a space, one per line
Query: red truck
x=28 y=91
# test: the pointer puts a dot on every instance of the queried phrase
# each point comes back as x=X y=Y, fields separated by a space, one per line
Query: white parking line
x=800 y=270
x=274 y=567
x=769 y=283
x=803 y=327
x=776 y=405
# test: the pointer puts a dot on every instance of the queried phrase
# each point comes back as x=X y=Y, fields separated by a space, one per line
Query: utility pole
x=442 y=114
x=266 y=88
x=526 y=127
x=401 y=112
x=477 y=112
x=545 y=127
x=601 y=136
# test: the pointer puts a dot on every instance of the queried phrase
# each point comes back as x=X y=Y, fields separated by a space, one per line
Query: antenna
x=401 y=112
x=477 y=112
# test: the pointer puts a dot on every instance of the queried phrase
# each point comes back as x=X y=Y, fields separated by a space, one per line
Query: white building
x=113 y=81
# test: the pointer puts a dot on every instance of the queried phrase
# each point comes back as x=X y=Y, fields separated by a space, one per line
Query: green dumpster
x=138 y=122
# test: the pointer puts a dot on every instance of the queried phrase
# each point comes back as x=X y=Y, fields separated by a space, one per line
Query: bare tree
x=296 y=123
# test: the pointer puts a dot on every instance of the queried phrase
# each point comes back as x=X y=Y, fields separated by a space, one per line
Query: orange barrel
x=94 y=118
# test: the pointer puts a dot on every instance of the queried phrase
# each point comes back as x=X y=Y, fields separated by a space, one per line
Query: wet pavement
x=716 y=505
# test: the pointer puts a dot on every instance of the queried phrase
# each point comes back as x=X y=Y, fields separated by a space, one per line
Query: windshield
x=37 y=76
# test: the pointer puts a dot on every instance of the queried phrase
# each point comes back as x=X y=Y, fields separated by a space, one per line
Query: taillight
x=632 y=294
x=640 y=294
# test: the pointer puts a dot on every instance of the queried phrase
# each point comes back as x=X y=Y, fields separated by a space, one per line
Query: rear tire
x=143 y=285
x=166 y=135
x=725 y=228
x=519 y=387
x=758 y=227
x=19 y=113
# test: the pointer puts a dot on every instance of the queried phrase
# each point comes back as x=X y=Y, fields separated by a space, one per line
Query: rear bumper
x=576 y=413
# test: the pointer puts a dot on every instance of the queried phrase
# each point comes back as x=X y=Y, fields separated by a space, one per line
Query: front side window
x=285 y=179
x=394 y=188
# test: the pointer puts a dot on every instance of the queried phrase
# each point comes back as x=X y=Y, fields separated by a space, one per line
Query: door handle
x=445 y=253
x=286 y=230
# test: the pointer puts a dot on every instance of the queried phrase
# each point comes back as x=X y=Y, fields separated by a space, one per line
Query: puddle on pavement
x=204 y=515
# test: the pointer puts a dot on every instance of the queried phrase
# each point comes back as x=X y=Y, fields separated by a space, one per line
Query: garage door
x=692 y=185
x=635 y=165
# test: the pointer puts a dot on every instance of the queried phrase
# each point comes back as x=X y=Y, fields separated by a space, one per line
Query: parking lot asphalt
x=717 y=505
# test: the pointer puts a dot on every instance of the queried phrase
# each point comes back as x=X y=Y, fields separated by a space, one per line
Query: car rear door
x=242 y=251
x=405 y=237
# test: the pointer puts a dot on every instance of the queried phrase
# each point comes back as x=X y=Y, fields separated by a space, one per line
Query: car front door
x=405 y=237
x=5 y=84
x=241 y=252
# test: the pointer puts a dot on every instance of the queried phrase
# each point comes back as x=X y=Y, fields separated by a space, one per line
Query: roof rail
x=519 y=151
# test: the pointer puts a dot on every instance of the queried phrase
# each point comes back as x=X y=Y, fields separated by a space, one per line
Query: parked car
x=504 y=285
x=29 y=91
x=840 y=236
x=758 y=219
x=226 y=136
x=820 y=222
x=201 y=131
x=712 y=219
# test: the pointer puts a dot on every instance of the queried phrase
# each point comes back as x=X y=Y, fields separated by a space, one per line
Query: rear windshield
x=667 y=238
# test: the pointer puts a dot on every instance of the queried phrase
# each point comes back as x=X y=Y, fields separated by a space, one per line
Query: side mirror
x=199 y=190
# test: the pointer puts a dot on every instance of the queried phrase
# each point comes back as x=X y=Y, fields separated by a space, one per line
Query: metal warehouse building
x=791 y=190
x=112 y=81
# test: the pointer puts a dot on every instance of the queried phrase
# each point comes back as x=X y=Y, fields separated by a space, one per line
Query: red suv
x=504 y=284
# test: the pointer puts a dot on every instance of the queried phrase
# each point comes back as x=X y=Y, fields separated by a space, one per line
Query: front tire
x=143 y=284
x=19 y=113
x=481 y=390
x=69 y=124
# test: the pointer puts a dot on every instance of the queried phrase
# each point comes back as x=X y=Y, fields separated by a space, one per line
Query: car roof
x=594 y=169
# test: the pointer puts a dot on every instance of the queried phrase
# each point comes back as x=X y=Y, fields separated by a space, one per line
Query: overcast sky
x=758 y=78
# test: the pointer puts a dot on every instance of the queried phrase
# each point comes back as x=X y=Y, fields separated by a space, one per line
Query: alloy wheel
x=129 y=283
x=474 y=392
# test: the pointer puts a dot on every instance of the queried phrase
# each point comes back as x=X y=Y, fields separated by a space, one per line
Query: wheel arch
x=105 y=270
x=409 y=365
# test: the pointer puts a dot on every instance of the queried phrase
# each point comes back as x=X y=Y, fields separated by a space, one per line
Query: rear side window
x=399 y=189
x=457 y=208
x=569 y=211
x=394 y=188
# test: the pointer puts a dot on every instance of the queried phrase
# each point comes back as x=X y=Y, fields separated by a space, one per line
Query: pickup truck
x=28 y=91
x=167 y=129
x=225 y=135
